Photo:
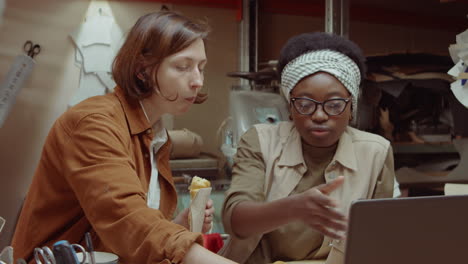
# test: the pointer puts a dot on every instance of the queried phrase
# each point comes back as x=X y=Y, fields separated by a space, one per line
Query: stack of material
x=407 y=97
x=459 y=55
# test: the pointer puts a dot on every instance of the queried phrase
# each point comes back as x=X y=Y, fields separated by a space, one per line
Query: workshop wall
x=374 y=39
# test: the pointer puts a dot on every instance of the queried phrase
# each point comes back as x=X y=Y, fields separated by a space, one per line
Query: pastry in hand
x=197 y=184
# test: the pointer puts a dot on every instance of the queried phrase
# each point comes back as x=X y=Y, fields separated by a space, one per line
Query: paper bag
x=197 y=209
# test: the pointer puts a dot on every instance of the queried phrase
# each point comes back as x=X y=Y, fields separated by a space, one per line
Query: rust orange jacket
x=93 y=175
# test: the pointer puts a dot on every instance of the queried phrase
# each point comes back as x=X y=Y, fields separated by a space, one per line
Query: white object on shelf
x=460 y=91
x=459 y=54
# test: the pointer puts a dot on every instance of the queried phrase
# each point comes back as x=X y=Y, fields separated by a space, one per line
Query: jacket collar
x=136 y=118
x=292 y=149
x=292 y=152
x=345 y=154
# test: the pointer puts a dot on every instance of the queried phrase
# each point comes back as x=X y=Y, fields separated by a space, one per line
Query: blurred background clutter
x=408 y=95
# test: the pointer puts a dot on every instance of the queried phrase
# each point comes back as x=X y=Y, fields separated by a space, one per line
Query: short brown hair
x=154 y=37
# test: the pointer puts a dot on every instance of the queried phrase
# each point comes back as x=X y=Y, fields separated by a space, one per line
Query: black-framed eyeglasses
x=307 y=106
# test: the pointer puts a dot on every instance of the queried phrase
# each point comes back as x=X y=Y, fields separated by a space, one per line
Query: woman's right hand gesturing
x=315 y=208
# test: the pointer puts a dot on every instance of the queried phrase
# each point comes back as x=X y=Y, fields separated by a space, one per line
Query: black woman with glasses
x=293 y=182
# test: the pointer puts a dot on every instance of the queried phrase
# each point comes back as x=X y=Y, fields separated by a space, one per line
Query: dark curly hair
x=303 y=43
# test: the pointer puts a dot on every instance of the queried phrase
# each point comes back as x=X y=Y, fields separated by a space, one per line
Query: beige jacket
x=359 y=157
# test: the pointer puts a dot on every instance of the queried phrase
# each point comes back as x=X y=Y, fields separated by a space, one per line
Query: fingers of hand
x=209 y=212
x=331 y=213
x=209 y=204
x=331 y=186
x=339 y=226
x=323 y=200
x=332 y=225
x=333 y=229
x=314 y=197
x=206 y=228
x=208 y=219
x=209 y=209
x=328 y=232
x=328 y=217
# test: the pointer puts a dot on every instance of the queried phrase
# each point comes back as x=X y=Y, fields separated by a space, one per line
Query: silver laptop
x=415 y=230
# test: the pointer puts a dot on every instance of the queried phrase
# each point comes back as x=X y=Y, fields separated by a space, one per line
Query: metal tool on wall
x=19 y=72
x=2 y=223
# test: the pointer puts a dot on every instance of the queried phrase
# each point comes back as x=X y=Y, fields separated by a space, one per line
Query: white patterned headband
x=332 y=62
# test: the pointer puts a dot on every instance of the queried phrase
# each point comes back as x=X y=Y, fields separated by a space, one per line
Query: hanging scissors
x=31 y=49
x=46 y=254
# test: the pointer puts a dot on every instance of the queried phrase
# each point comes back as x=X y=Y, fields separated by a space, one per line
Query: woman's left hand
x=182 y=217
x=208 y=221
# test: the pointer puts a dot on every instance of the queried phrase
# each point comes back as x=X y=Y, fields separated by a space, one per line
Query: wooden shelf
x=412 y=148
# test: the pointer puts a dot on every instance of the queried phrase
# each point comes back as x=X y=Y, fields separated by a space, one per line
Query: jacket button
x=146 y=155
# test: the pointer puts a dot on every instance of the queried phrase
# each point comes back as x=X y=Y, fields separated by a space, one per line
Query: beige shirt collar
x=292 y=153
x=345 y=153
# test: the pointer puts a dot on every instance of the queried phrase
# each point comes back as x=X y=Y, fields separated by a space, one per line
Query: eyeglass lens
x=331 y=107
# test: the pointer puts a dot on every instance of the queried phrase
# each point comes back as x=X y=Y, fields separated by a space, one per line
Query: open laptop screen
x=415 y=230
